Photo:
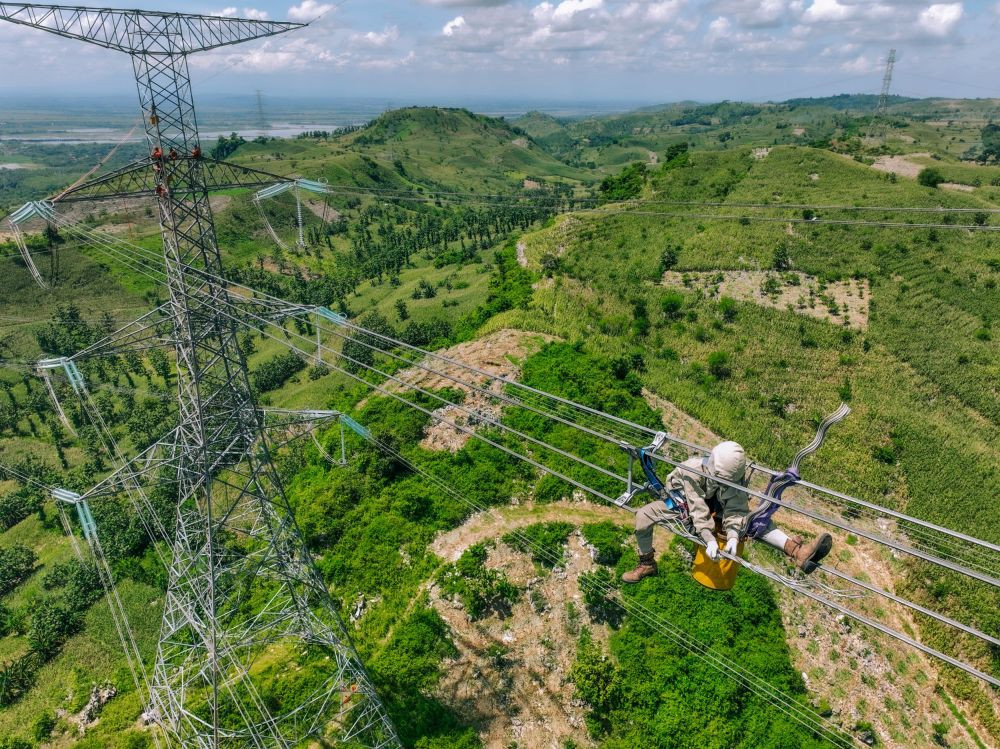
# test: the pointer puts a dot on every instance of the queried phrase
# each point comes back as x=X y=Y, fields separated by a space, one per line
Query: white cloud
x=825 y=11
x=307 y=10
x=467 y=3
x=453 y=26
x=255 y=14
x=377 y=38
x=225 y=12
x=940 y=19
x=663 y=11
x=567 y=9
x=860 y=65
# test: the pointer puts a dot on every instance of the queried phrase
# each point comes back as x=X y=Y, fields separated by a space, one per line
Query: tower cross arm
x=141 y=31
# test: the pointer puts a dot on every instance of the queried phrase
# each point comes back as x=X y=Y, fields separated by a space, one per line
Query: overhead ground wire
x=393 y=395
x=617 y=420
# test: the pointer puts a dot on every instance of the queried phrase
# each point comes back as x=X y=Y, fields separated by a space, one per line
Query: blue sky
x=570 y=50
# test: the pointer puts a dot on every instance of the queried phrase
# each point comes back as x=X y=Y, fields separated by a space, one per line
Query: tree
x=359 y=350
x=16 y=564
x=930 y=177
x=780 y=259
x=401 y=310
x=669 y=258
x=990 y=136
x=625 y=185
x=51 y=623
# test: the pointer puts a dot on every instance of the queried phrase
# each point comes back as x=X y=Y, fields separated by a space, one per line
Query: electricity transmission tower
x=876 y=128
x=244 y=607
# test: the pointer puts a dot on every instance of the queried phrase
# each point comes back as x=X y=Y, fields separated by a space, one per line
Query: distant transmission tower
x=244 y=603
x=876 y=128
x=261 y=120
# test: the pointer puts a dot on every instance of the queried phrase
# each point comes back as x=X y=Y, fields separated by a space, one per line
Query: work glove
x=712 y=549
x=732 y=545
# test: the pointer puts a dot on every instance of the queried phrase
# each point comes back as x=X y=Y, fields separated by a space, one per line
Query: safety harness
x=673 y=498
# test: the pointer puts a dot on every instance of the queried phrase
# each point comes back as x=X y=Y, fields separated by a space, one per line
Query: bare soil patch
x=840 y=302
x=799 y=131
x=511 y=676
x=760 y=153
x=522 y=258
x=957 y=187
x=497 y=354
x=901 y=165
x=322 y=210
x=520 y=142
x=530 y=184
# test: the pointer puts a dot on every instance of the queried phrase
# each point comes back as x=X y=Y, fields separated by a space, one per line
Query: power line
x=240 y=317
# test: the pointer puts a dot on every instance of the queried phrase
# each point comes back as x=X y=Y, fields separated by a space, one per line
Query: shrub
x=672 y=303
x=930 y=177
x=718 y=365
x=16 y=564
x=597 y=597
x=606 y=538
x=15 y=506
x=17 y=677
x=44 y=725
x=544 y=541
x=483 y=591
x=277 y=370
x=885 y=455
x=551 y=489
x=727 y=308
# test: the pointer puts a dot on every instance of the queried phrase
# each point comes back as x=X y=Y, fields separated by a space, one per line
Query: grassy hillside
x=633 y=294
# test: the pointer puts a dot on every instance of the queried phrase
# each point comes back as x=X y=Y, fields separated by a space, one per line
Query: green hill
x=740 y=319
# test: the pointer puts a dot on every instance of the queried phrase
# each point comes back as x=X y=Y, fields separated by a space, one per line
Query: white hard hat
x=728 y=461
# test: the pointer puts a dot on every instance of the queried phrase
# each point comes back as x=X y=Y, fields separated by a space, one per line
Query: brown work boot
x=646 y=568
x=808 y=555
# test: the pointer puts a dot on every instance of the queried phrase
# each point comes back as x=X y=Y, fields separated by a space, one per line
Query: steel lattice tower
x=878 y=118
x=242 y=590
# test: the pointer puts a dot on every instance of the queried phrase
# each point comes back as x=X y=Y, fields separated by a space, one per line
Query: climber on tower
x=716 y=508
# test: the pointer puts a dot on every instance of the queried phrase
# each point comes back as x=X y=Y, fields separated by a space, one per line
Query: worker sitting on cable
x=709 y=503
x=173 y=155
x=157 y=153
x=196 y=153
